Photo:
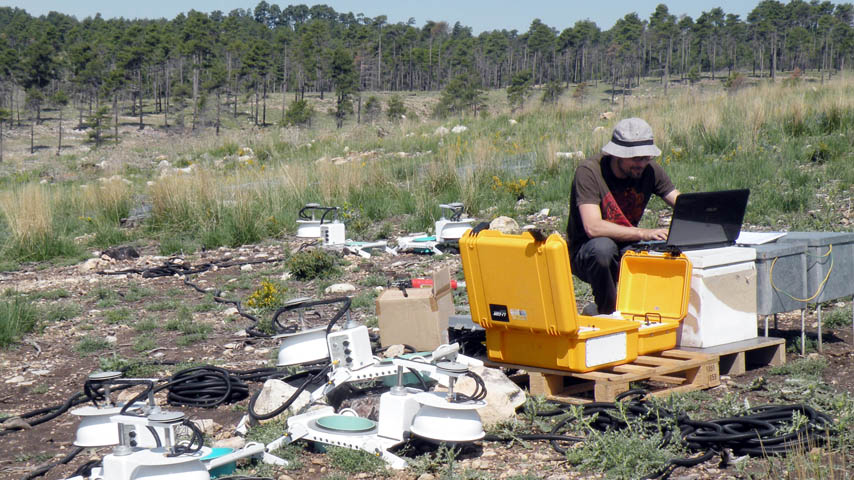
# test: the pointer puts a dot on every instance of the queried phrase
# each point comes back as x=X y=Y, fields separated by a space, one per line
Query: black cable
x=345 y=301
x=41 y=471
x=197 y=441
x=479 y=392
x=762 y=431
x=171 y=267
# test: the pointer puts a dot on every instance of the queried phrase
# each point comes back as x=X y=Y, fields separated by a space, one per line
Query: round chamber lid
x=166 y=417
x=101 y=376
x=346 y=423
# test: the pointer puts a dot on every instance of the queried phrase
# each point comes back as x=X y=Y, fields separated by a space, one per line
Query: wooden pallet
x=662 y=374
x=738 y=357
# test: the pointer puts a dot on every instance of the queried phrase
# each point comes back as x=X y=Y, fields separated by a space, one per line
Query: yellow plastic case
x=653 y=291
x=520 y=290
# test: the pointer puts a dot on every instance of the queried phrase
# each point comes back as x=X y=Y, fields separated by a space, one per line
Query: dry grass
x=29 y=213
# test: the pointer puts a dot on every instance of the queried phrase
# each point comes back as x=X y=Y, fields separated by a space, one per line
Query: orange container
x=653 y=291
x=520 y=290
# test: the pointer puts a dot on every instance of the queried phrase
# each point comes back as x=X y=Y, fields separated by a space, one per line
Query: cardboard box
x=417 y=316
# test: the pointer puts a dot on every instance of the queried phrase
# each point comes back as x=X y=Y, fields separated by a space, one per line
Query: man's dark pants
x=597 y=262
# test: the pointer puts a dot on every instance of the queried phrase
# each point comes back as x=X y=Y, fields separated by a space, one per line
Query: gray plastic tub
x=830 y=255
x=778 y=289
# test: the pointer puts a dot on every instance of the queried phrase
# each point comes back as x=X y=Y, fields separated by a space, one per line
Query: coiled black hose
x=762 y=431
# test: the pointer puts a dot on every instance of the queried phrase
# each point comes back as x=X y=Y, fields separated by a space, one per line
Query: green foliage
x=837 y=318
x=364 y=300
x=735 y=81
x=90 y=344
x=552 y=92
x=395 y=109
x=371 y=108
x=117 y=316
x=442 y=462
x=462 y=95
x=144 y=343
x=694 y=74
x=60 y=311
x=355 y=461
x=269 y=295
x=802 y=367
x=519 y=89
x=299 y=112
x=311 y=264
x=623 y=454
x=17 y=317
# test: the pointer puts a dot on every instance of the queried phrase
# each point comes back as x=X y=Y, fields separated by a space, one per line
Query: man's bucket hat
x=632 y=138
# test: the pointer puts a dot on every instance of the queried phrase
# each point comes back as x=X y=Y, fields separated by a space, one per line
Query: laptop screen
x=707 y=219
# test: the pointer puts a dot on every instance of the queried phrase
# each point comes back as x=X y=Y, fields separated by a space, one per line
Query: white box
x=722 y=305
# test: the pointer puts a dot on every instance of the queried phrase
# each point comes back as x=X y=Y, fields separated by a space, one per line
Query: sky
x=481 y=15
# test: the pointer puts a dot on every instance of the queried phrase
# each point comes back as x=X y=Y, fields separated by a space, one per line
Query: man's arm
x=670 y=198
x=596 y=226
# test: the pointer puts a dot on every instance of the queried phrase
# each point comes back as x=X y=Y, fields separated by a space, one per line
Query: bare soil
x=47 y=368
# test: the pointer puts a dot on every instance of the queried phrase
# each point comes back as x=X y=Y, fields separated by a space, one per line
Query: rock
x=606 y=116
x=598 y=129
x=121 y=253
x=505 y=225
x=543 y=213
x=459 y=129
x=502 y=395
x=340 y=288
x=164 y=164
x=230 y=311
x=426 y=476
x=275 y=393
x=246 y=268
x=207 y=426
x=393 y=351
x=160 y=158
x=232 y=442
x=441 y=131
x=570 y=155
x=16 y=379
x=16 y=423
x=111 y=339
x=285 y=477
x=93 y=264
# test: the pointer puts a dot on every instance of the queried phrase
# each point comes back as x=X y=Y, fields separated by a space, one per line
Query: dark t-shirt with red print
x=622 y=200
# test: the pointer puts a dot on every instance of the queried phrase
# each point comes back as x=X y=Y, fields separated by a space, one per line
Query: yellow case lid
x=540 y=296
x=654 y=286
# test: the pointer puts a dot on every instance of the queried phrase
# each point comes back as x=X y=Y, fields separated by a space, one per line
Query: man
x=609 y=194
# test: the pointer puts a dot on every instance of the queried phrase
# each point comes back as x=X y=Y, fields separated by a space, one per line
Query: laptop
x=704 y=220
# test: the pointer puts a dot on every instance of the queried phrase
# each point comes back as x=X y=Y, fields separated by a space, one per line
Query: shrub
x=17 y=317
x=394 y=108
x=311 y=264
x=552 y=92
x=268 y=295
x=372 y=108
x=519 y=89
x=299 y=112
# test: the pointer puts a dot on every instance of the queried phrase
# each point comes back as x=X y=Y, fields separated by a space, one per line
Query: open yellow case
x=653 y=291
x=521 y=292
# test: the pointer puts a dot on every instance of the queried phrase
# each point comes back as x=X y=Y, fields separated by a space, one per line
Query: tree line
x=203 y=59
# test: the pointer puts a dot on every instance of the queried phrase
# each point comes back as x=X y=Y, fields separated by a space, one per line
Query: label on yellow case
x=518 y=314
x=605 y=349
x=499 y=313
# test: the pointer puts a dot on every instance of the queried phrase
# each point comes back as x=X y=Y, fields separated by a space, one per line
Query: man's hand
x=653 y=234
